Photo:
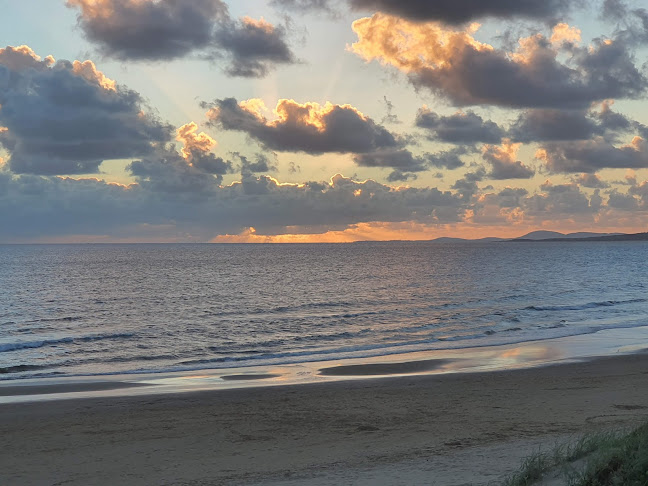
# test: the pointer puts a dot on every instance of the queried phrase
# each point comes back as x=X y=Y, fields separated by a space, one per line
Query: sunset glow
x=225 y=122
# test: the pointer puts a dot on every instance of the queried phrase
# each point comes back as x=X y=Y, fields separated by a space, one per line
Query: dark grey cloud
x=625 y=202
x=390 y=116
x=467 y=186
x=511 y=197
x=614 y=10
x=632 y=23
x=166 y=172
x=460 y=11
x=554 y=124
x=260 y=164
x=590 y=156
x=170 y=29
x=448 y=159
x=328 y=6
x=252 y=47
x=145 y=30
x=641 y=191
x=399 y=176
x=307 y=127
x=400 y=159
x=172 y=195
x=405 y=162
x=460 y=128
x=491 y=78
x=209 y=163
x=559 y=199
x=67 y=118
x=590 y=180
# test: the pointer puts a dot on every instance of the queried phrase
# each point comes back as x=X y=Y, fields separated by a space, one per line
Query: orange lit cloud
x=563 y=33
x=452 y=63
x=303 y=127
x=503 y=160
x=260 y=24
x=411 y=46
x=88 y=71
x=193 y=141
x=23 y=57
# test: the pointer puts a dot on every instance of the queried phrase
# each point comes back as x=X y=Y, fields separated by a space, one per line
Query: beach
x=448 y=429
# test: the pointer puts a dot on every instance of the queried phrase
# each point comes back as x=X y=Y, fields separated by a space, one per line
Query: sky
x=320 y=120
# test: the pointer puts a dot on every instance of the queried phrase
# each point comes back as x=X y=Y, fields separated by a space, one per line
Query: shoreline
x=484 y=359
x=446 y=429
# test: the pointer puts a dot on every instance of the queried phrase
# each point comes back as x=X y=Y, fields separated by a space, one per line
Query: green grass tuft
x=614 y=458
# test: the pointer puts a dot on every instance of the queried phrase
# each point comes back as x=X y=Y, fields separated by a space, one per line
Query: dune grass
x=603 y=459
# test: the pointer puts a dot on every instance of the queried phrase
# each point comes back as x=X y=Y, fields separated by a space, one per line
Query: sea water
x=75 y=310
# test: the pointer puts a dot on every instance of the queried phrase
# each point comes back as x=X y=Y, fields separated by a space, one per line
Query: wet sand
x=456 y=429
x=7 y=391
x=385 y=368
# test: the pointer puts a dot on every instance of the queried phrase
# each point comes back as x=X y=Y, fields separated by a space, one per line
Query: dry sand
x=436 y=430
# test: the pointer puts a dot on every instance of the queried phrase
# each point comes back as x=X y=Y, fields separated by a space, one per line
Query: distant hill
x=596 y=237
x=540 y=235
x=446 y=239
x=553 y=235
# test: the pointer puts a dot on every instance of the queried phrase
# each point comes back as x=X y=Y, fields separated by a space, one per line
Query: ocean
x=83 y=310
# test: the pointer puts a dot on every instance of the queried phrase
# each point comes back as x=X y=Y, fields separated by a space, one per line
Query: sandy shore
x=439 y=430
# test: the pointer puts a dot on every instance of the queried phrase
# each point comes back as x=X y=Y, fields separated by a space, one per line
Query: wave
x=21 y=368
x=280 y=309
x=363 y=351
x=589 y=305
x=57 y=319
x=8 y=347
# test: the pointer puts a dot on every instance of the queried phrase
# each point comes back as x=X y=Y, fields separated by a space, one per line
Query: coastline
x=446 y=429
x=529 y=354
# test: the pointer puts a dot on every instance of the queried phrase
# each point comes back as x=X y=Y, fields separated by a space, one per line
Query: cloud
x=253 y=47
x=511 y=197
x=167 y=173
x=632 y=23
x=503 y=162
x=590 y=180
x=162 y=30
x=625 y=202
x=453 y=64
x=67 y=118
x=613 y=10
x=545 y=125
x=554 y=124
x=315 y=6
x=461 y=11
x=399 y=176
x=192 y=174
x=559 y=200
x=448 y=159
x=261 y=164
x=400 y=159
x=147 y=30
x=197 y=151
x=592 y=155
x=467 y=186
x=306 y=127
x=174 y=200
x=404 y=161
x=460 y=128
x=389 y=117
x=171 y=192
